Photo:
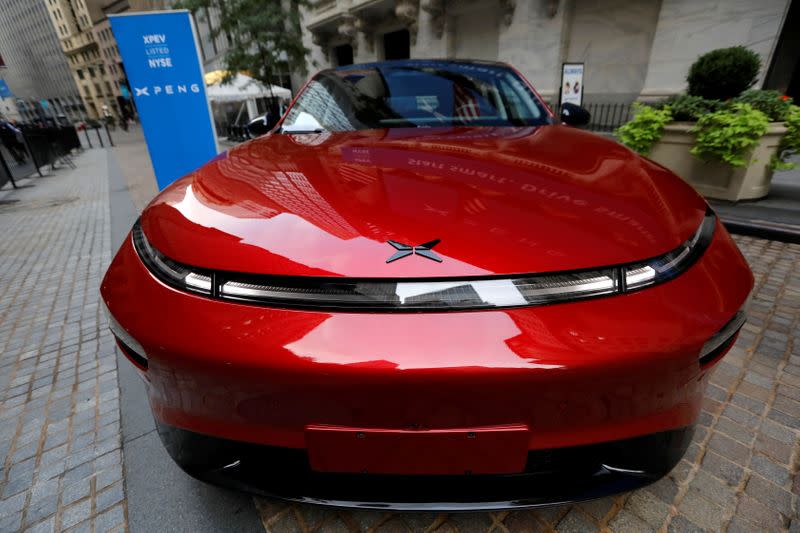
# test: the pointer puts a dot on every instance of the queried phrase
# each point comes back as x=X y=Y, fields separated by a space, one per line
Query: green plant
x=724 y=73
x=772 y=103
x=726 y=135
x=644 y=130
x=689 y=108
x=790 y=144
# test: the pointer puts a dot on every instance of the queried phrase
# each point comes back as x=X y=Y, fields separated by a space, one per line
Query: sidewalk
x=60 y=447
x=78 y=451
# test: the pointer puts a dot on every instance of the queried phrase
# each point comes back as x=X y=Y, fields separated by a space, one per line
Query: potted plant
x=722 y=138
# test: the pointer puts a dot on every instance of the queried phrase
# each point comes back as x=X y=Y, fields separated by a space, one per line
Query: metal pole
x=30 y=153
x=88 y=140
x=8 y=171
x=110 y=140
x=99 y=137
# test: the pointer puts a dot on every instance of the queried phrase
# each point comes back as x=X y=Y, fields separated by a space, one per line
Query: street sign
x=572 y=83
x=162 y=61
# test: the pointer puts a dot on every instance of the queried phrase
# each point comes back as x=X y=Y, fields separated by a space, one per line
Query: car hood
x=499 y=200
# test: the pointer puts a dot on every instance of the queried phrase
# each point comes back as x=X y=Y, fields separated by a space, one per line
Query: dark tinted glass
x=411 y=95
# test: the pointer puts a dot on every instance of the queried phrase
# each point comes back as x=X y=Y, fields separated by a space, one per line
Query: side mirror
x=574 y=115
x=259 y=126
x=263 y=124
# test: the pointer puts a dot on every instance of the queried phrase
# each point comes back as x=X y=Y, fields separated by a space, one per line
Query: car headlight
x=438 y=294
x=169 y=271
x=669 y=265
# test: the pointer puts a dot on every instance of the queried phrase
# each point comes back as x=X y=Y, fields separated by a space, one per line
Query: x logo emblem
x=424 y=249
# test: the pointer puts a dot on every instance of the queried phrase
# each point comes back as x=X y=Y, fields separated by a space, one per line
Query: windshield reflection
x=401 y=96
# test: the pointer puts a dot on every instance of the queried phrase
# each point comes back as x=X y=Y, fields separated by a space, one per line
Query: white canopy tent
x=241 y=89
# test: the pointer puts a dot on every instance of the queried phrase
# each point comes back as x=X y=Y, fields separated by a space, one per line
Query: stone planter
x=718 y=180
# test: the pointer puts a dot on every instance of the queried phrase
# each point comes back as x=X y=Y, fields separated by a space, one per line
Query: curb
x=762 y=229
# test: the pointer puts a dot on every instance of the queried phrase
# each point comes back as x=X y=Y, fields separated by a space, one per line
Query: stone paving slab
x=60 y=449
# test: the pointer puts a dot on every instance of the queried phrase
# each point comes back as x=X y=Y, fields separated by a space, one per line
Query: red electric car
x=423 y=290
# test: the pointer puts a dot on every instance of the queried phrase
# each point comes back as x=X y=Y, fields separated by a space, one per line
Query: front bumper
x=575 y=374
x=550 y=477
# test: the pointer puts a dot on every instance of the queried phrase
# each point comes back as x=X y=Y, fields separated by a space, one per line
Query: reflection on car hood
x=500 y=200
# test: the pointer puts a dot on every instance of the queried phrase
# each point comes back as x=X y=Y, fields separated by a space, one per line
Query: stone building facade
x=631 y=48
x=36 y=71
x=91 y=50
x=73 y=21
x=109 y=52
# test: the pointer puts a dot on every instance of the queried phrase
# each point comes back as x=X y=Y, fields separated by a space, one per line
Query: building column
x=533 y=42
x=686 y=29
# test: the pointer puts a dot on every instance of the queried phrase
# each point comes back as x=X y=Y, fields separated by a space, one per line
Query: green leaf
x=727 y=135
x=641 y=133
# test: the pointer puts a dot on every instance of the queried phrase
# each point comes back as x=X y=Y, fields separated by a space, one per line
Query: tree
x=263 y=35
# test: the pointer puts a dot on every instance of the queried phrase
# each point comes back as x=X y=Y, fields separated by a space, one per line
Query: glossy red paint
x=574 y=373
x=502 y=200
x=418 y=451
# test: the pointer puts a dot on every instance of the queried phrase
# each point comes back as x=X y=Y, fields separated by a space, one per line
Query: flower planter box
x=718 y=180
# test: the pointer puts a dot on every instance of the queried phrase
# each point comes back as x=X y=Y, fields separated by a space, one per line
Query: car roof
x=417 y=63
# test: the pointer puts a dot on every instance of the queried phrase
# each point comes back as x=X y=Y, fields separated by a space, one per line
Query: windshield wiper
x=301 y=131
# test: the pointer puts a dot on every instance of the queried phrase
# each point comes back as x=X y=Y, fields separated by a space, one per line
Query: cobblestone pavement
x=739 y=475
x=60 y=451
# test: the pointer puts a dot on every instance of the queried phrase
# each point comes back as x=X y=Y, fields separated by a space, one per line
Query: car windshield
x=413 y=95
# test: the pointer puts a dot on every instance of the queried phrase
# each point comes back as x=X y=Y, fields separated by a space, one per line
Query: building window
x=102 y=70
x=343 y=55
x=80 y=73
x=91 y=72
x=397 y=45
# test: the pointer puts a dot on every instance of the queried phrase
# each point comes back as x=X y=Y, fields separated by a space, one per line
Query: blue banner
x=5 y=92
x=162 y=61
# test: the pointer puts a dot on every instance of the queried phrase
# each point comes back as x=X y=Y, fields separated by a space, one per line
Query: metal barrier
x=98 y=129
x=5 y=174
x=36 y=148
x=605 y=116
x=52 y=145
x=17 y=162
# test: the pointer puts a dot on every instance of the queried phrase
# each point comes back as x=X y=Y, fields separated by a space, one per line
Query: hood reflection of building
x=265 y=188
x=413 y=182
